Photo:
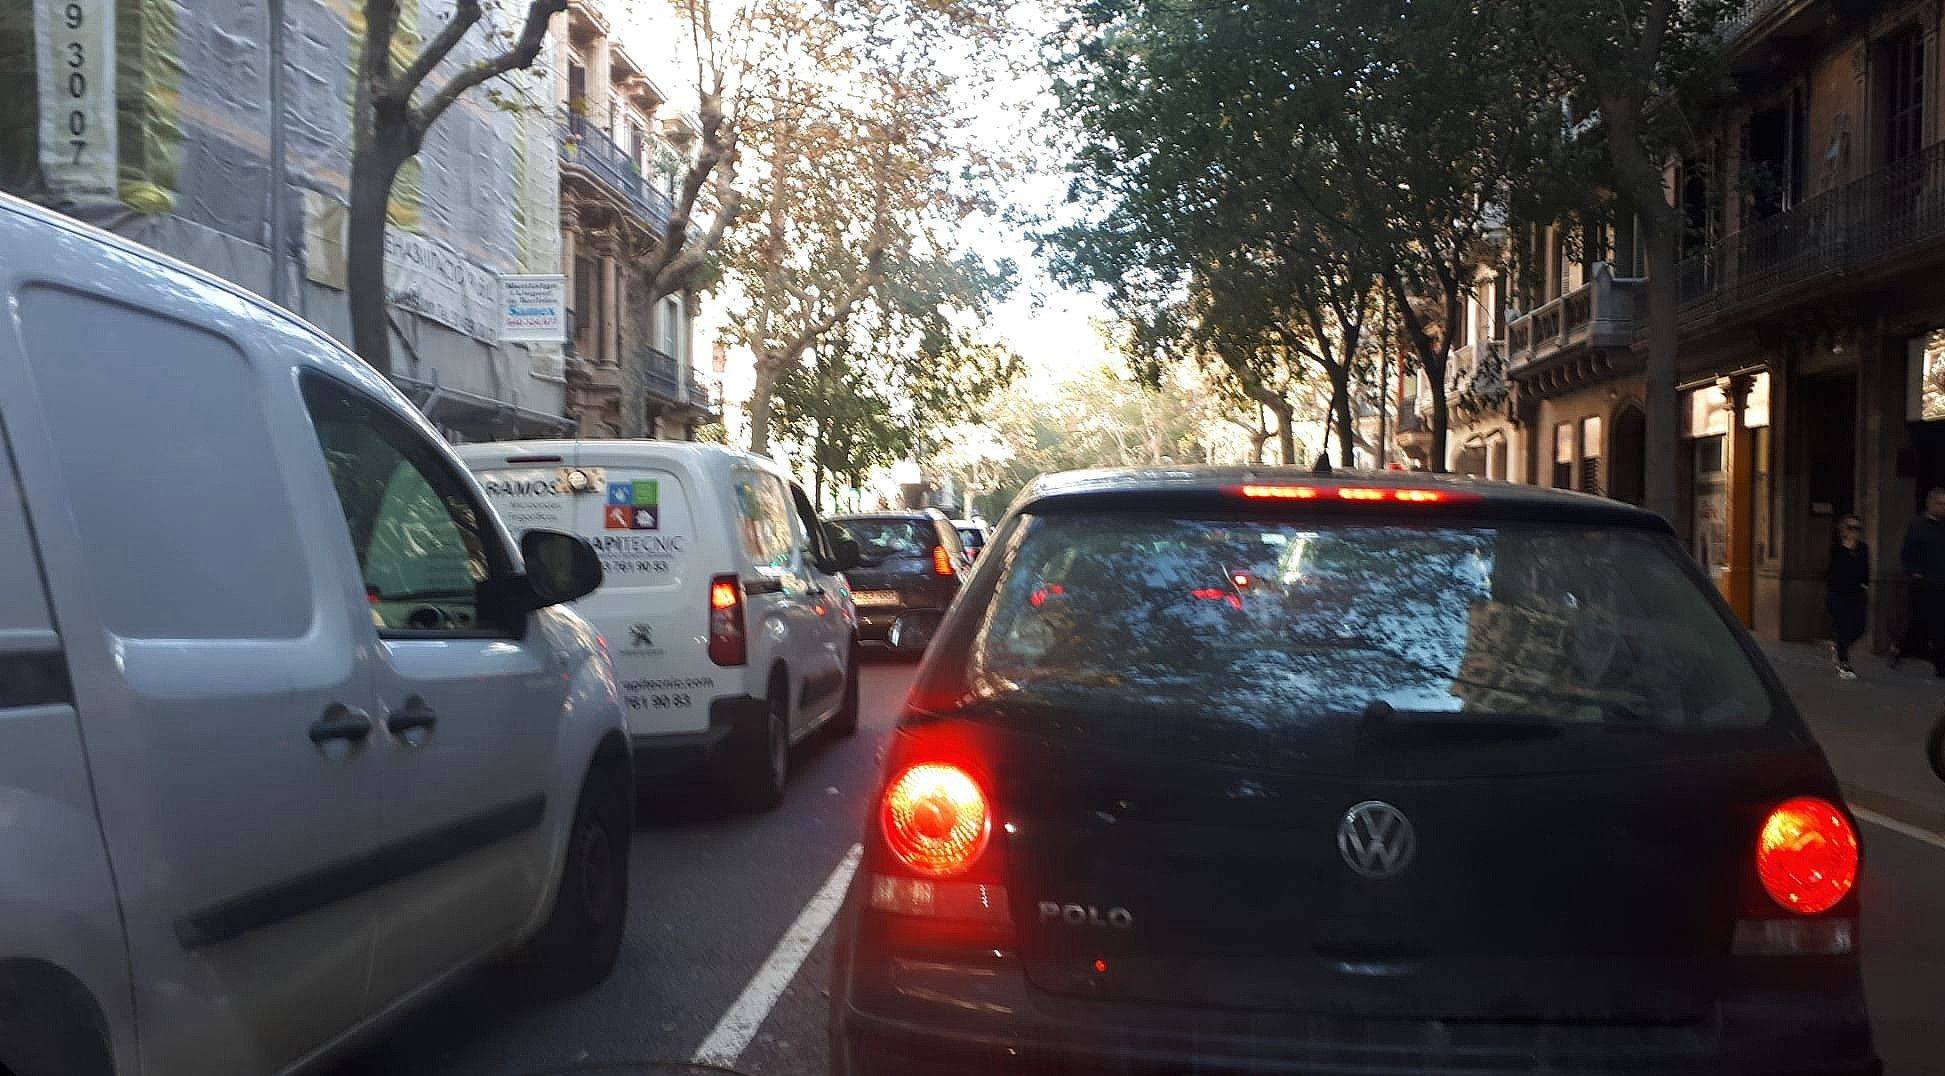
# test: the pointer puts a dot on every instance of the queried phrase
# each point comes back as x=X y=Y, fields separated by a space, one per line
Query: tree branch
x=520 y=56
x=465 y=14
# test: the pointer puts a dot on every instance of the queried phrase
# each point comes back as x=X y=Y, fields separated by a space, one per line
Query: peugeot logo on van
x=1376 y=839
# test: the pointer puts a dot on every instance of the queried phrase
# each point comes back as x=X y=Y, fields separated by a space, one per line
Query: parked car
x=294 y=732
x=972 y=534
x=910 y=567
x=728 y=622
x=1444 y=777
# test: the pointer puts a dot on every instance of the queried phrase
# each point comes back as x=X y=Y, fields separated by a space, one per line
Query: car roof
x=1204 y=487
x=929 y=514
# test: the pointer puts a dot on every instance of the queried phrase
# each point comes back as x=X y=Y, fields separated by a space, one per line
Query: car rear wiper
x=1381 y=715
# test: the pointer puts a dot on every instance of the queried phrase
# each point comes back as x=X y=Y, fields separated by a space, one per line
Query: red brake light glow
x=1806 y=855
x=936 y=819
x=728 y=644
x=1360 y=494
x=941 y=561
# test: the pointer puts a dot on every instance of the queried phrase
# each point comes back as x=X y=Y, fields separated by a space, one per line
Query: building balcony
x=662 y=377
x=1596 y=316
x=587 y=150
x=1887 y=223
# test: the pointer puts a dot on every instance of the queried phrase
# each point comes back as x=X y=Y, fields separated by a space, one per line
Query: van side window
x=765 y=516
x=423 y=545
x=179 y=504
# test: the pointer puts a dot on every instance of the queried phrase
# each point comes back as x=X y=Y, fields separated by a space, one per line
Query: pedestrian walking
x=1923 y=557
x=1847 y=588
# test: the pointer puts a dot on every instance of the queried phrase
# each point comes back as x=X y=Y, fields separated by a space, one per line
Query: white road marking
x=732 y=1034
x=1914 y=832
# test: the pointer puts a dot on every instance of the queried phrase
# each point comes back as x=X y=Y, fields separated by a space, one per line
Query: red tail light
x=1356 y=494
x=728 y=644
x=936 y=819
x=1806 y=855
x=941 y=561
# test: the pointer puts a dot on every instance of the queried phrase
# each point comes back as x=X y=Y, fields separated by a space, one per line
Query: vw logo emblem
x=1376 y=839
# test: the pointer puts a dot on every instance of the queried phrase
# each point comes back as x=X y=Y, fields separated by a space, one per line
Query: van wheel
x=845 y=721
x=1935 y=748
x=578 y=945
x=766 y=763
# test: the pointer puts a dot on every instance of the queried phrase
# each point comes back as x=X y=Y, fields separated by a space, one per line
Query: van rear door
x=652 y=605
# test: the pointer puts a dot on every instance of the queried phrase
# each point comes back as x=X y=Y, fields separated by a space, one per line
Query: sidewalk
x=1872 y=728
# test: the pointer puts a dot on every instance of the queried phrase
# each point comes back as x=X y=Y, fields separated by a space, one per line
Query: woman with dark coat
x=1846 y=588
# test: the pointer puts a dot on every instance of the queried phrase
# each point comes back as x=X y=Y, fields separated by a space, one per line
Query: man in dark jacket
x=1923 y=556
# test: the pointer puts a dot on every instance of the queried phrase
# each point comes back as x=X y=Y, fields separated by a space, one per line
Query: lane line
x=732 y=1034
x=1916 y=833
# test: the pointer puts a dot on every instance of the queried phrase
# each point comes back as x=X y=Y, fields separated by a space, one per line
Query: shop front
x=1726 y=441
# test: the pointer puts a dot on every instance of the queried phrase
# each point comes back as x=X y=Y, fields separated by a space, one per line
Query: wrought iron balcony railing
x=585 y=145
x=1871 y=222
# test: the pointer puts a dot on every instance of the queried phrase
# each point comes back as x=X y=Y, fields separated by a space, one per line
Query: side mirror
x=560 y=567
x=845 y=554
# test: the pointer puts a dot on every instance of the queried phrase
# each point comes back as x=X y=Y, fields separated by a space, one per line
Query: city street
x=714 y=893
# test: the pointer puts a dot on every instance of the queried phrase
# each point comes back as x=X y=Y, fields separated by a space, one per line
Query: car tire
x=766 y=758
x=578 y=945
x=845 y=722
x=1935 y=748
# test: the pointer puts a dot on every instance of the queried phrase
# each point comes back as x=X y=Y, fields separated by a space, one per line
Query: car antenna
x=1323 y=464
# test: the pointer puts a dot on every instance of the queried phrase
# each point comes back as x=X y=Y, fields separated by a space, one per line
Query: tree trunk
x=1441 y=416
x=373 y=168
x=768 y=369
x=1340 y=406
x=1660 y=460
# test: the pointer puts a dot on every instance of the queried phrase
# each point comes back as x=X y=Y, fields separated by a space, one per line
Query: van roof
x=599 y=451
x=40 y=215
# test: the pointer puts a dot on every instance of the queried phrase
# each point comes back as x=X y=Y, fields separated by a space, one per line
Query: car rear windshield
x=972 y=536
x=1265 y=622
x=881 y=538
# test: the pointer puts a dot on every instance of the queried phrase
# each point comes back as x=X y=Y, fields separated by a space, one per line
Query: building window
x=1590 y=455
x=671 y=326
x=1500 y=297
x=638 y=144
x=577 y=86
x=1903 y=94
x=1461 y=334
x=1563 y=456
x=583 y=312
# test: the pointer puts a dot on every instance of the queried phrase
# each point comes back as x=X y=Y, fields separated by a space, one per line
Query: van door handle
x=341 y=723
x=415 y=715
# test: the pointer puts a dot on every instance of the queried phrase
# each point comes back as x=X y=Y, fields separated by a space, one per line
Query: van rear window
x=1276 y=621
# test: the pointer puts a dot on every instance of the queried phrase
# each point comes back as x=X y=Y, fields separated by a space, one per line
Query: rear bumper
x=874 y=623
x=734 y=722
x=947 y=1015
x=876 y=1046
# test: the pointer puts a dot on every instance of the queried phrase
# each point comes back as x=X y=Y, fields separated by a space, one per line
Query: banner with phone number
x=74 y=46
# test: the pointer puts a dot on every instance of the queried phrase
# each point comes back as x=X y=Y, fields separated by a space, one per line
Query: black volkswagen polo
x=1266 y=772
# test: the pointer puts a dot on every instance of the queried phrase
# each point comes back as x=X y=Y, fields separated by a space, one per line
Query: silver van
x=292 y=733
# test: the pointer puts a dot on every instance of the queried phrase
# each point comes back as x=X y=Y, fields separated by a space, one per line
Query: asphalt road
x=715 y=892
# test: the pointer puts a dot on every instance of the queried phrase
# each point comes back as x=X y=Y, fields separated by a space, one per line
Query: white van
x=732 y=632
x=292 y=734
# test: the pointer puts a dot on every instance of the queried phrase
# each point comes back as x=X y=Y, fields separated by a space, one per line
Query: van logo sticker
x=642 y=634
x=634 y=506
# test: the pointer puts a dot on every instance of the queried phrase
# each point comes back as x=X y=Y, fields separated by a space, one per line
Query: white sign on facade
x=74 y=49
x=435 y=281
x=533 y=309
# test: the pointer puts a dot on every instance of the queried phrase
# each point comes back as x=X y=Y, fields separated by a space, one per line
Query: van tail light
x=728 y=642
x=941 y=561
x=1807 y=861
x=937 y=823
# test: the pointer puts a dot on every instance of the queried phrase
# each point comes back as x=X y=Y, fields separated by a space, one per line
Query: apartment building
x=624 y=137
x=1812 y=332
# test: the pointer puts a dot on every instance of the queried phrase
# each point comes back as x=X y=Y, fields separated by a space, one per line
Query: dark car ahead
x=1225 y=772
x=910 y=567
